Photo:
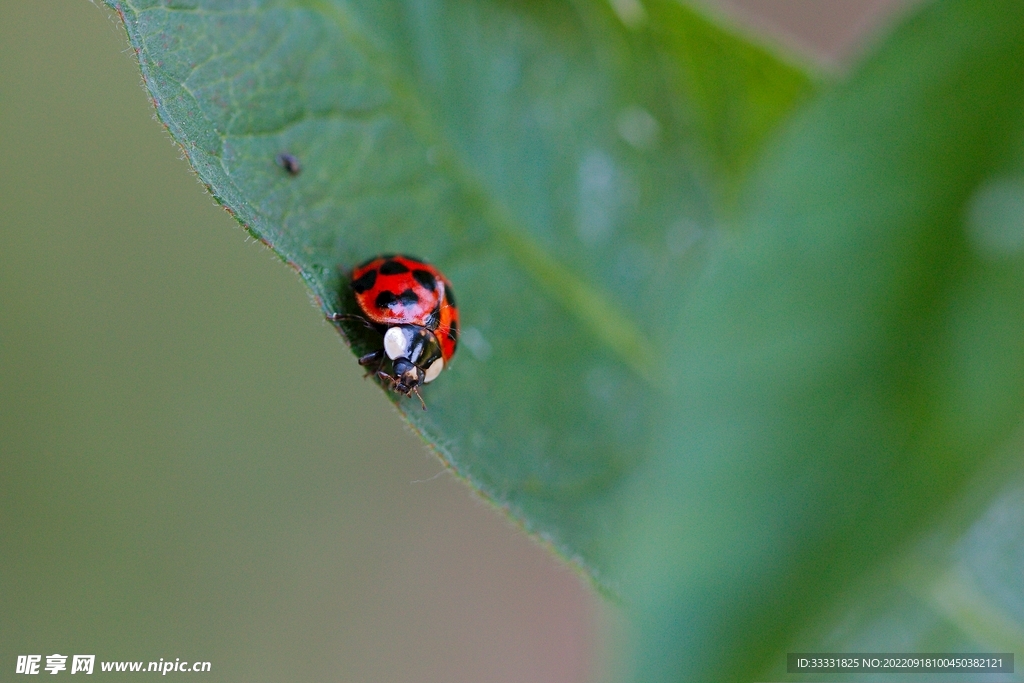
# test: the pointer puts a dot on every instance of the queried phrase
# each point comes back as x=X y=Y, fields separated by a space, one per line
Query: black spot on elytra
x=393 y=268
x=388 y=299
x=364 y=281
x=449 y=296
x=425 y=278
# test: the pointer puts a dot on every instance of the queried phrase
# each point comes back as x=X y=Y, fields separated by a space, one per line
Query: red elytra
x=411 y=303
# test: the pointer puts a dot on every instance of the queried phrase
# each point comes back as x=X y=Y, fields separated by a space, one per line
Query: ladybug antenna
x=416 y=391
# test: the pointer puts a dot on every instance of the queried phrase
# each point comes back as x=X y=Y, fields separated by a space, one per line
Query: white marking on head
x=396 y=344
x=434 y=370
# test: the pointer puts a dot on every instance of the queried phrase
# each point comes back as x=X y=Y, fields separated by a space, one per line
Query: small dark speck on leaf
x=289 y=162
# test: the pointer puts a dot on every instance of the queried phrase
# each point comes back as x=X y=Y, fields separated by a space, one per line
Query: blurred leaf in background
x=851 y=362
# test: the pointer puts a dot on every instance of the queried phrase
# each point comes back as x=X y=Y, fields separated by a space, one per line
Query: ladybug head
x=416 y=354
x=407 y=376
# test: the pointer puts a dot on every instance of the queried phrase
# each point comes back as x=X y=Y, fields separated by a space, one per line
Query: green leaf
x=564 y=165
x=851 y=362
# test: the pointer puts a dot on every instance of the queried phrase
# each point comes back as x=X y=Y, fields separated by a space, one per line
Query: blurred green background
x=192 y=470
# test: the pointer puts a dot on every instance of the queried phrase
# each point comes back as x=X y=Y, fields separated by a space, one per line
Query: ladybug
x=412 y=305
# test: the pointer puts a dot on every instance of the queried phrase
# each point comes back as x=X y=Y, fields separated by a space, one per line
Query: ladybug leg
x=372 y=357
x=385 y=377
x=338 y=317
